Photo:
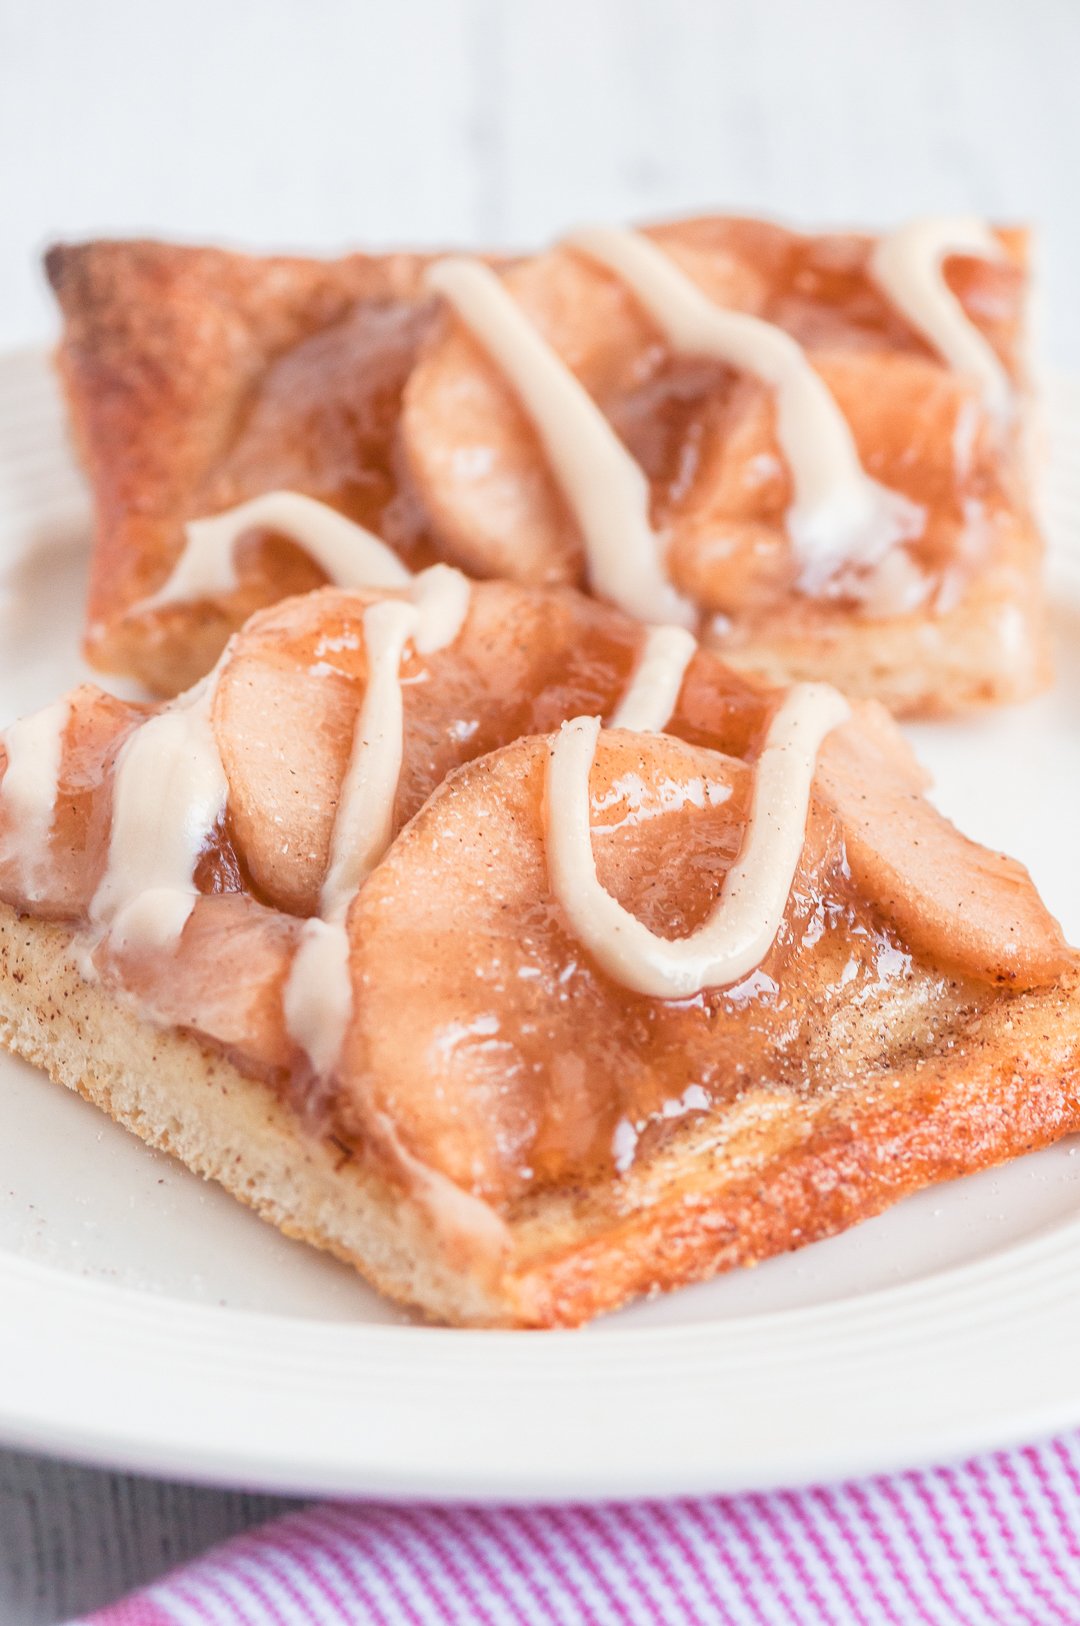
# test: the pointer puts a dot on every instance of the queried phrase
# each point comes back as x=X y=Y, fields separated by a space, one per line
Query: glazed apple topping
x=703 y=421
x=745 y=438
x=335 y=860
x=510 y=1057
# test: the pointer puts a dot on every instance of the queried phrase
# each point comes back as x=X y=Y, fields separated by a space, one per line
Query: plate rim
x=199 y=1382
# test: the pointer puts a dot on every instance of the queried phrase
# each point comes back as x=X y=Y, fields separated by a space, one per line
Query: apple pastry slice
x=524 y=957
x=809 y=449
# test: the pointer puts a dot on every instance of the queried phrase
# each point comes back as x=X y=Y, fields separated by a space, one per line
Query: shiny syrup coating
x=707 y=440
x=705 y=435
x=323 y=420
x=480 y=1027
x=285 y=709
x=509 y=1060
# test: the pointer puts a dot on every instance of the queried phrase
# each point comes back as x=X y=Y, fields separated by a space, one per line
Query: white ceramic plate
x=148 y=1321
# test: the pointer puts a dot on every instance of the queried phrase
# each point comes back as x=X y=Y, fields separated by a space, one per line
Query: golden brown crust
x=772 y=1175
x=1009 y=1084
x=161 y=349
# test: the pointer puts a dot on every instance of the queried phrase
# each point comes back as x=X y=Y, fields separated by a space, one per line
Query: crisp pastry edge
x=1010 y=1086
x=181 y=1097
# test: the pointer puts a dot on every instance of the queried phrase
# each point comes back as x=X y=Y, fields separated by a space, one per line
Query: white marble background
x=319 y=123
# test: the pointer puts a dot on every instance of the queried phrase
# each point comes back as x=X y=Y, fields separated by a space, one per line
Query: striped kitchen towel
x=993 y=1543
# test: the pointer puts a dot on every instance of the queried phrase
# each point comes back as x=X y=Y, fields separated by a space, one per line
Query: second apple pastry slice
x=811 y=449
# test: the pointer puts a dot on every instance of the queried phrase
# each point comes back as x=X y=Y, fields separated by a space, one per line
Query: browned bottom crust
x=774 y=1172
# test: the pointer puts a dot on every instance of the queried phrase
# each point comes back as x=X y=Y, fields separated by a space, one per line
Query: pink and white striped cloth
x=993 y=1543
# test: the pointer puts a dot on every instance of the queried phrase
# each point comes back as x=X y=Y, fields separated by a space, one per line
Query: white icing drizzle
x=349 y=555
x=366 y=809
x=604 y=486
x=906 y=264
x=742 y=925
x=431 y=618
x=839 y=516
x=441 y=595
x=317 y=999
x=169 y=791
x=654 y=688
x=29 y=790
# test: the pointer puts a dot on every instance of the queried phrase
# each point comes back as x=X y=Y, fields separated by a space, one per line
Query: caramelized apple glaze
x=706 y=434
x=323 y=420
x=481 y=1032
x=400 y=420
x=508 y=1060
